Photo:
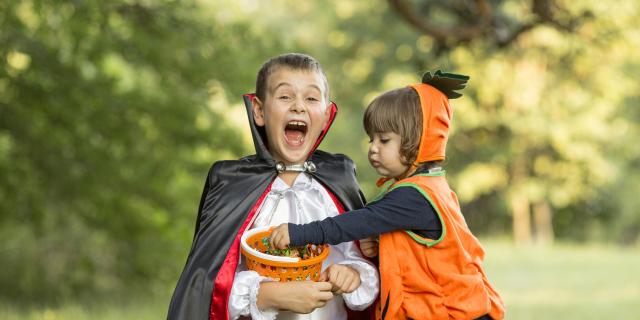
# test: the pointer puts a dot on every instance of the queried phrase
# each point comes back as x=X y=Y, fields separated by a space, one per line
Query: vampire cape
x=232 y=194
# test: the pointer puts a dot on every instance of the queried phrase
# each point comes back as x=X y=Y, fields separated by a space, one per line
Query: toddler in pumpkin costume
x=430 y=262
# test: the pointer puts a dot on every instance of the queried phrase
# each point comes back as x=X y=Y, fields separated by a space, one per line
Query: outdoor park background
x=111 y=113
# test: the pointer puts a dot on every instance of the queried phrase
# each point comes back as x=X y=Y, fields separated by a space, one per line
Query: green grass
x=562 y=282
x=566 y=281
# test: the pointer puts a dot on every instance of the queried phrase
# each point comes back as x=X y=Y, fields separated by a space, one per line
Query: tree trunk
x=542 y=213
x=521 y=219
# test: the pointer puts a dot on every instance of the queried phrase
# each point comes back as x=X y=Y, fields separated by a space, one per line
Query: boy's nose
x=298 y=106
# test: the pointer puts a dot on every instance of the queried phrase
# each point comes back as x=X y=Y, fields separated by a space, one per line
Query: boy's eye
x=284 y=97
x=384 y=140
x=312 y=99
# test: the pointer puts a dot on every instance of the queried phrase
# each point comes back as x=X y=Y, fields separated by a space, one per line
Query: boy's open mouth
x=294 y=133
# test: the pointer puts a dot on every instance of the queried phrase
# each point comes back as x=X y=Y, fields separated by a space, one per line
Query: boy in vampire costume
x=287 y=180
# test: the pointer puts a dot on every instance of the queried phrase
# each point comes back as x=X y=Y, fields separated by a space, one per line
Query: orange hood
x=435 y=92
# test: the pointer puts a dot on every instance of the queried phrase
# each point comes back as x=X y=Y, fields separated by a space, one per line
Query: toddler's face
x=294 y=113
x=384 y=155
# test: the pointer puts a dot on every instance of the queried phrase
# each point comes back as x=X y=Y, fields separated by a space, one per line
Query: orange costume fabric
x=435 y=278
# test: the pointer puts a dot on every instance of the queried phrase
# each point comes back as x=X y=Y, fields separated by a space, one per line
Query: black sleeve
x=402 y=208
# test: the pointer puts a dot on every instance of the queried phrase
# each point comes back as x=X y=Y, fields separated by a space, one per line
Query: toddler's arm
x=404 y=208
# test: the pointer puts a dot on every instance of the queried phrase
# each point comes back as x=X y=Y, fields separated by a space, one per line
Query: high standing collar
x=259 y=136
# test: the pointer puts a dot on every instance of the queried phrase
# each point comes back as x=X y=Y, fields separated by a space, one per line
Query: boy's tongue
x=294 y=137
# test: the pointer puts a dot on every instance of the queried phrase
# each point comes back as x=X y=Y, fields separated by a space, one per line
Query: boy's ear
x=258 y=111
x=327 y=114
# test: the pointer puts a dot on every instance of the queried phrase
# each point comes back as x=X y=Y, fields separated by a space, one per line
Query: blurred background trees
x=112 y=112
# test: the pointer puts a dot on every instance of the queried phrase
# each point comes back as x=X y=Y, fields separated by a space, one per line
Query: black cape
x=232 y=192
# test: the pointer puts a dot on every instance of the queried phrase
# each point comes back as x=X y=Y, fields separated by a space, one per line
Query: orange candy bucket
x=276 y=267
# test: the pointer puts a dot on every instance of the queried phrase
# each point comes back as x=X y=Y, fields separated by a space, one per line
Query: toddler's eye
x=384 y=140
x=312 y=99
x=284 y=97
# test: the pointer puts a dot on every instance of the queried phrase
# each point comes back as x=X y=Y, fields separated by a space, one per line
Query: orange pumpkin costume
x=435 y=278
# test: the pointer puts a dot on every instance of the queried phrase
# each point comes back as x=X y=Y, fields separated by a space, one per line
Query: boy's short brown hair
x=295 y=61
x=397 y=111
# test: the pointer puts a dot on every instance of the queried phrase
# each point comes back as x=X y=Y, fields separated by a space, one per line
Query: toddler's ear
x=258 y=111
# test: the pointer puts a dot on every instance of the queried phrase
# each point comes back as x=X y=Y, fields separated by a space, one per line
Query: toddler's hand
x=343 y=278
x=280 y=237
x=369 y=247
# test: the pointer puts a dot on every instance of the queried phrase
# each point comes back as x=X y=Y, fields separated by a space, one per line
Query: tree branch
x=544 y=11
x=456 y=33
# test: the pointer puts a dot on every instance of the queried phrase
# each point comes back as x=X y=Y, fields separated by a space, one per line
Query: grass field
x=562 y=282
x=566 y=281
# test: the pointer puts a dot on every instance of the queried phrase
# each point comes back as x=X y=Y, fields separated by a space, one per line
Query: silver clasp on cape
x=306 y=166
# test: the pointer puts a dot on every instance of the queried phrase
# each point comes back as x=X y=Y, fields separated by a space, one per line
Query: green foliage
x=99 y=139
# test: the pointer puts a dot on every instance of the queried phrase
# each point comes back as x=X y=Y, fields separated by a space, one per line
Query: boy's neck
x=288 y=177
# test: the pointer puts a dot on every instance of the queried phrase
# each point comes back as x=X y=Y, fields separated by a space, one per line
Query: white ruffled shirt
x=305 y=201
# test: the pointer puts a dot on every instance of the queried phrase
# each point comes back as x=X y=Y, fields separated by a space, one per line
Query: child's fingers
x=321 y=303
x=323 y=293
x=346 y=286
x=275 y=240
x=369 y=240
x=323 y=286
x=337 y=286
x=370 y=253
x=284 y=238
x=368 y=245
x=354 y=282
x=279 y=238
x=353 y=285
x=325 y=296
x=272 y=239
x=323 y=277
x=351 y=279
x=338 y=279
x=369 y=249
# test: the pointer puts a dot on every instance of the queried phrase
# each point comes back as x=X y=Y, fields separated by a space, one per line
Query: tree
x=106 y=135
x=554 y=134
x=490 y=21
